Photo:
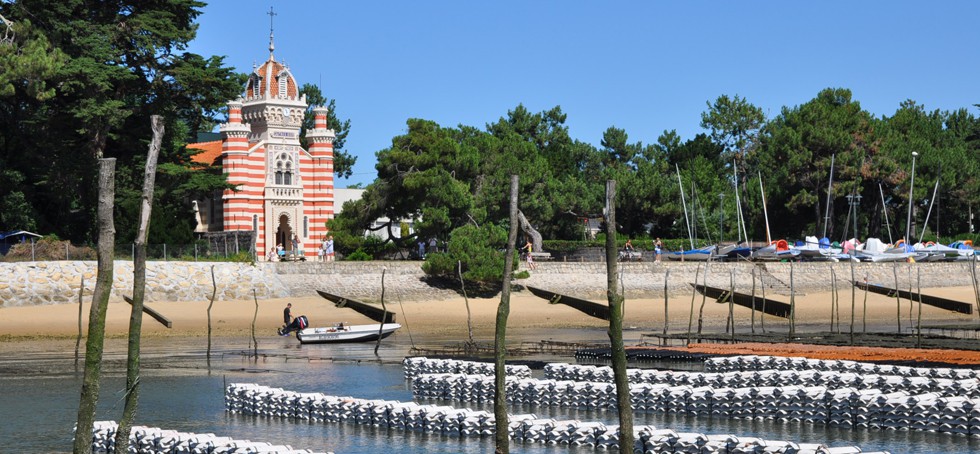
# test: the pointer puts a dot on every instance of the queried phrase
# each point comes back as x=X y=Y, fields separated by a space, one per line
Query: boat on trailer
x=342 y=332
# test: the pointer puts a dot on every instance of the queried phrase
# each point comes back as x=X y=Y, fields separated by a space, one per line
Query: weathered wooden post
x=792 y=303
x=898 y=299
x=616 y=303
x=139 y=289
x=694 y=293
x=95 y=343
x=501 y=426
x=666 y=313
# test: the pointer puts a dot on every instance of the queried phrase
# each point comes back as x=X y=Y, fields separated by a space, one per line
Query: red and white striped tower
x=282 y=192
x=318 y=177
x=236 y=208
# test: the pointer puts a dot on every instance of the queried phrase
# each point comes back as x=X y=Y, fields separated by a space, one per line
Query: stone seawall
x=57 y=282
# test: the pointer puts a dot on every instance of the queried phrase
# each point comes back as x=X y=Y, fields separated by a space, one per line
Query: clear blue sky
x=643 y=66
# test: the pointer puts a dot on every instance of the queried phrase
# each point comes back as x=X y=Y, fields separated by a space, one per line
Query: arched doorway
x=284 y=233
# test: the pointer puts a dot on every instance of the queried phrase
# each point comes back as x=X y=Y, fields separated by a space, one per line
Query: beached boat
x=341 y=333
x=697 y=255
x=775 y=251
x=931 y=252
x=820 y=250
x=875 y=251
x=344 y=332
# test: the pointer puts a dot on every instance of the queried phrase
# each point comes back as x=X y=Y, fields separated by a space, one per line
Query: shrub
x=358 y=256
x=481 y=251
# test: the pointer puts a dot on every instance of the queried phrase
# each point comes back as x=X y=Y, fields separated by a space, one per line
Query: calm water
x=39 y=398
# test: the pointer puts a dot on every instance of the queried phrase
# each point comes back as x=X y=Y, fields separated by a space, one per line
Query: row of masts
x=853 y=199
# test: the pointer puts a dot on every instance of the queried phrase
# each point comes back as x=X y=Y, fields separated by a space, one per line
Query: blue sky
x=644 y=67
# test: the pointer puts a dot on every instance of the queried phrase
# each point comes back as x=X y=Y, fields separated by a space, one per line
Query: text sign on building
x=283 y=134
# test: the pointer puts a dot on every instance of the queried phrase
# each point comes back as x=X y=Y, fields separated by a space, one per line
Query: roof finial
x=272 y=14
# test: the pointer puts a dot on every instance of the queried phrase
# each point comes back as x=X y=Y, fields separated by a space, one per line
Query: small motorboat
x=342 y=332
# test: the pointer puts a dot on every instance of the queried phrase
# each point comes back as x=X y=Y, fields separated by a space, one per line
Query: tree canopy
x=446 y=177
x=81 y=78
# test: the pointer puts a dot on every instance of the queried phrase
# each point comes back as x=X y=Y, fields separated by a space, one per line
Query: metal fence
x=63 y=250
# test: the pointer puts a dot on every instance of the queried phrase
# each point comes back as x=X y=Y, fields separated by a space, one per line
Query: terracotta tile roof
x=210 y=154
x=260 y=74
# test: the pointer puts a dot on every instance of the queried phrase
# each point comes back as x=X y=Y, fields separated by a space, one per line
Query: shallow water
x=39 y=399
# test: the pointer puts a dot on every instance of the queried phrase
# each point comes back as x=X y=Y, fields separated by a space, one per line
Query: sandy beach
x=446 y=319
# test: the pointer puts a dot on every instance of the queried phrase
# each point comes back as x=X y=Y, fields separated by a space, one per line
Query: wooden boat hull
x=935 y=301
x=585 y=306
x=346 y=334
x=775 y=308
x=368 y=310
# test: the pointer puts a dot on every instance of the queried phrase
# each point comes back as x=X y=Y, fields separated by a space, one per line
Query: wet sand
x=447 y=319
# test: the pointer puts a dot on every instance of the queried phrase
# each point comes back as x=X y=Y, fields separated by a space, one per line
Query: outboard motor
x=299 y=323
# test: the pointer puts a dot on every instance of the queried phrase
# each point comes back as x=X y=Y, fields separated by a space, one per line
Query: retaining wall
x=58 y=282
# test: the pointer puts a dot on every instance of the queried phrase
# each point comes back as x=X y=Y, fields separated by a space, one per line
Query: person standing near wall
x=529 y=248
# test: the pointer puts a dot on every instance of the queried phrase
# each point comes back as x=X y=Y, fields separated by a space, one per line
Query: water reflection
x=39 y=398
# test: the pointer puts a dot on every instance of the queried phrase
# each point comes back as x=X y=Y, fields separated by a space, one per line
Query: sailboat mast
x=830 y=182
x=884 y=209
x=739 y=221
x=684 y=204
x=764 y=211
x=925 y=224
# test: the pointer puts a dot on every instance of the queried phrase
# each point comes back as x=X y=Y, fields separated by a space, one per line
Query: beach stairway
x=773 y=283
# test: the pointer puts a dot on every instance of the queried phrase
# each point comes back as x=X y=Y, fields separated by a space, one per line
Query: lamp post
x=908 y=222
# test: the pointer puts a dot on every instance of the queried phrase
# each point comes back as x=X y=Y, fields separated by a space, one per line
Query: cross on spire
x=272 y=14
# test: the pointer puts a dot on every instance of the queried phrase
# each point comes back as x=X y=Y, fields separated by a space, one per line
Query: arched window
x=283 y=85
x=255 y=224
x=306 y=226
x=284 y=169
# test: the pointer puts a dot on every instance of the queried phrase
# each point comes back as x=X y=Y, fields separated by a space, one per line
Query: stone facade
x=57 y=282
